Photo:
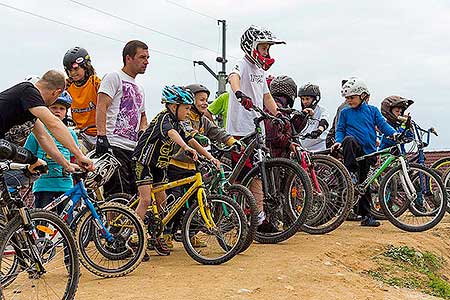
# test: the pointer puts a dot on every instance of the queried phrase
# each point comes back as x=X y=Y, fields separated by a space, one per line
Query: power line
x=192 y=10
x=142 y=26
x=87 y=31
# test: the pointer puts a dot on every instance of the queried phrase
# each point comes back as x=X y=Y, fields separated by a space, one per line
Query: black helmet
x=284 y=86
x=311 y=90
x=76 y=55
x=394 y=101
x=197 y=88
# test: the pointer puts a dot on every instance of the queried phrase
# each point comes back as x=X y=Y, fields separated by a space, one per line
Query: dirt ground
x=305 y=267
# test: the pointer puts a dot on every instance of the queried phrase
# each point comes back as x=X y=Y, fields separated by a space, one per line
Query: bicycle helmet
x=64 y=99
x=284 y=86
x=354 y=87
x=74 y=57
x=176 y=95
x=250 y=40
x=197 y=88
x=105 y=166
x=311 y=90
x=394 y=101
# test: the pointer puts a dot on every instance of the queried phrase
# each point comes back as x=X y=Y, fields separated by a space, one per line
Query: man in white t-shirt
x=121 y=115
x=249 y=88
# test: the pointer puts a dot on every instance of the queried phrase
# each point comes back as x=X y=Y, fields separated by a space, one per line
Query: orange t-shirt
x=84 y=103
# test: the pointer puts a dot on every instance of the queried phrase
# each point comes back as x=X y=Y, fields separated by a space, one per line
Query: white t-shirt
x=254 y=85
x=124 y=114
x=313 y=123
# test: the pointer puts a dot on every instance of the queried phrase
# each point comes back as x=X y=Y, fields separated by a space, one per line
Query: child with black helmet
x=53 y=184
x=82 y=85
x=279 y=136
x=316 y=127
x=392 y=108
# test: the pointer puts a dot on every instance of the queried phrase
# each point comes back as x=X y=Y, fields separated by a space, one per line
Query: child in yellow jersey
x=83 y=85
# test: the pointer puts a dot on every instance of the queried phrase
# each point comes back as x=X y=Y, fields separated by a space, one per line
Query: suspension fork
x=406 y=181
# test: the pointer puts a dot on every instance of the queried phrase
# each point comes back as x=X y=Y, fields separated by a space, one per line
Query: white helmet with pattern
x=105 y=166
x=354 y=87
x=250 y=40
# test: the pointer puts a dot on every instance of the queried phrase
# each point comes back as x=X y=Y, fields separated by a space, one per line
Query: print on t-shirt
x=129 y=110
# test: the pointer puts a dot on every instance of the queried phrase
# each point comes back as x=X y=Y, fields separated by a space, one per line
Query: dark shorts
x=149 y=175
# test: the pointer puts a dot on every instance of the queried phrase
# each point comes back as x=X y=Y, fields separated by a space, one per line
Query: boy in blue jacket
x=356 y=134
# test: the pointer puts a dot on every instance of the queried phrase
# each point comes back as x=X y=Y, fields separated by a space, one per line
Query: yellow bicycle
x=216 y=220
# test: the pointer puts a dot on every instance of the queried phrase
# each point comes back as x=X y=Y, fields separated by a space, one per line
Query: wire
x=194 y=11
x=88 y=31
x=142 y=26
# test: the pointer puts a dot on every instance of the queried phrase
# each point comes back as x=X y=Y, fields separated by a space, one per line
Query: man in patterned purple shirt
x=121 y=115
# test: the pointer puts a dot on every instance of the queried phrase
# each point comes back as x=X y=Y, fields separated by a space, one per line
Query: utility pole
x=221 y=77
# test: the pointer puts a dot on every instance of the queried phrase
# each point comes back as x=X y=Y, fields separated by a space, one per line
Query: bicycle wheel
x=288 y=201
x=441 y=165
x=21 y=276
x=123 y=251
x=224 y=239
x=122 y=198
x=335 y=201
x=446 y=181
x=246 y=200
x=425 y=208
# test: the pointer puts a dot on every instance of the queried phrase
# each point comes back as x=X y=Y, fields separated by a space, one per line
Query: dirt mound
x=332 y=266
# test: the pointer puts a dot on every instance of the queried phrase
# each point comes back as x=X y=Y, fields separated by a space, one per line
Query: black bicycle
x=38 y=255
x=281 y=184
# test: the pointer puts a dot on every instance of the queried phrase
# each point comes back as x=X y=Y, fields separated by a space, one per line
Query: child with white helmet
x=356 y=134
x=249 y=88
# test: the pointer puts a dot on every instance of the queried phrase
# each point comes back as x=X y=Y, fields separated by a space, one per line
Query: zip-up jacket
x=360 y=123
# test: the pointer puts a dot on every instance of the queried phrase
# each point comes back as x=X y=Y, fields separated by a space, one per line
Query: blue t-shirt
x=53 y=181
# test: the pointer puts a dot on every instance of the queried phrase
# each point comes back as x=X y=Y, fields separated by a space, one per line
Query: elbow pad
x=17 y=154
x=324 y=123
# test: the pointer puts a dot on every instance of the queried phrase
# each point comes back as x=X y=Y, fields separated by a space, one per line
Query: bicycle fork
x=406 y=181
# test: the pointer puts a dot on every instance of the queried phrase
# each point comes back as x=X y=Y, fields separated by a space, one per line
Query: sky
x=398 y=47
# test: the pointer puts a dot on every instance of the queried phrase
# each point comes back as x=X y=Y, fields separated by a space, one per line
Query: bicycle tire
x=337 y=206
x=436 y=214
x=122 y=198
x=290 y=170
x=69 y=254
x=446 y=181
x=443 y=162
x=248 y=202
x=216 y=204
x=121 y=240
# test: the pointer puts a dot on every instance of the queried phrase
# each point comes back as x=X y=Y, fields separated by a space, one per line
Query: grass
x=409 y=268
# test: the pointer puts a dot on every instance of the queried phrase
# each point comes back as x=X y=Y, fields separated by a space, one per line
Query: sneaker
x=146 y=257
x=355 y=178
x=197 y=242
x=352 y=216
x=370 y=222
x=160 y=246
x=169 y=240
x=267 y=227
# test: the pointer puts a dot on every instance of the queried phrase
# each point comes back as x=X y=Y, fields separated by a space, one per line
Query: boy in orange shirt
x=83 y=85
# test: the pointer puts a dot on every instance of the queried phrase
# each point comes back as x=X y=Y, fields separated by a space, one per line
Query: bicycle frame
x=76 y=195
x=406 y=181
x=196 y=187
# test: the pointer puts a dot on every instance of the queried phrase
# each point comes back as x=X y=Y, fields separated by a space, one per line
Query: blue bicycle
x=108 y=245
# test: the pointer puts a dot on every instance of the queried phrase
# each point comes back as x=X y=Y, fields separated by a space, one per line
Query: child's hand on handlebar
x=39 y=167
x=216 y=162
x=192 y=152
